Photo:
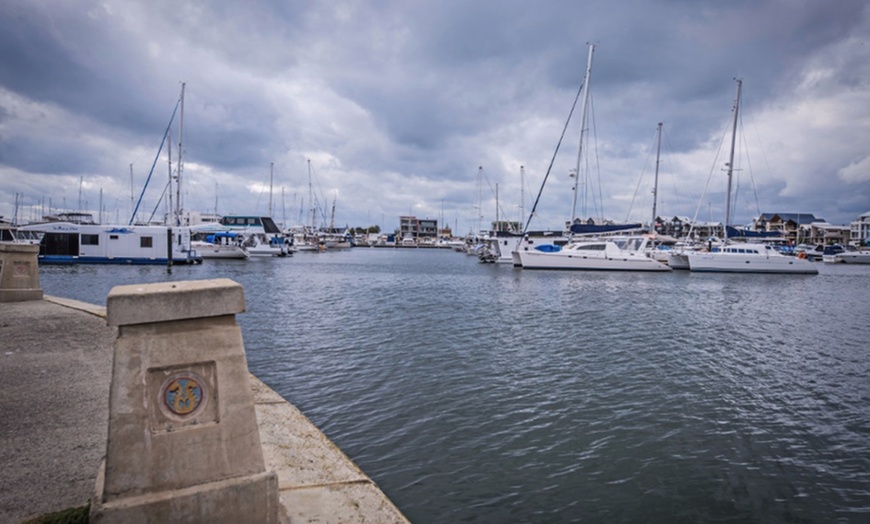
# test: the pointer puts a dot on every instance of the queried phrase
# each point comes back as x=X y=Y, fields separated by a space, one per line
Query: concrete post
x=19 y=272
x=183 y=443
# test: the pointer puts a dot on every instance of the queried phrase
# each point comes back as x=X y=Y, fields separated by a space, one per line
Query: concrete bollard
x=183 y=443
x=19 y=273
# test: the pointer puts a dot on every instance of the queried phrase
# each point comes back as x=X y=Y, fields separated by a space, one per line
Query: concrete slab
x=55 y=367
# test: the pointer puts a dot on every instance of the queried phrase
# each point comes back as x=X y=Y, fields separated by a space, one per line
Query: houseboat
x=71 y=243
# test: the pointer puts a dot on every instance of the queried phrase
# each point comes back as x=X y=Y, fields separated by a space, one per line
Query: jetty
x=58 y=360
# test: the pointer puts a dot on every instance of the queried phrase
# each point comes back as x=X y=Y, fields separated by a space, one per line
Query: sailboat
x=624 y=253
x=744 y=257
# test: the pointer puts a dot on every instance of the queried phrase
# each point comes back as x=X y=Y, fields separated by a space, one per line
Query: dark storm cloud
x=398 y=103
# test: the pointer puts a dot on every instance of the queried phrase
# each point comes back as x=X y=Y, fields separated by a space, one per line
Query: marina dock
x=56 y=370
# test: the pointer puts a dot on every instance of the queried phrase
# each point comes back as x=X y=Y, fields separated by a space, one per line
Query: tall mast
x=479 y=198
x=310 y=196
x=169 y=207
x=497 y=225
x=652 y=225
x=132 y=200
x=522 y=195
x=731 y=158
x=271 y=170
x=180 y=161
x=582 y=131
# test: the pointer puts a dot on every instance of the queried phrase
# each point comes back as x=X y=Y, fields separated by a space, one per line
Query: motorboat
x=221 y=244
x=861 y=256
x=260 y=235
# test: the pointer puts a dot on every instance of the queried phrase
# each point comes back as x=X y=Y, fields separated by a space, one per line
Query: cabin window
x=146 y=242
x=90 y=240
x=113 y=237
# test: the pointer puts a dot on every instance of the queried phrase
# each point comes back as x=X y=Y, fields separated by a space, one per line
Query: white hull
x=592 y=256
x=678 y=260
x=861 y=257
x=729 y=260
x=209 y=250
x=538 y=260
x=265 y=250
x=509 y=247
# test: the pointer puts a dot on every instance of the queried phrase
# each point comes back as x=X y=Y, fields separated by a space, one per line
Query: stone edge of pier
x=317 y=482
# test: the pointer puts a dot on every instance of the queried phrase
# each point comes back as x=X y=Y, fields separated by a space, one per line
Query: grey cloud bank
x=396 y=104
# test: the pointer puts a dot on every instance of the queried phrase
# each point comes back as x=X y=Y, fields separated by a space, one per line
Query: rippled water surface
x=484 y=393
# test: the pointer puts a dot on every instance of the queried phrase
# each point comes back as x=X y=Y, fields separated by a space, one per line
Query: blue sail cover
x=593 y=229
x=735 y=233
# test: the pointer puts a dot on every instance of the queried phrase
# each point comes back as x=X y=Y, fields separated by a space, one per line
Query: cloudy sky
x=431 y=107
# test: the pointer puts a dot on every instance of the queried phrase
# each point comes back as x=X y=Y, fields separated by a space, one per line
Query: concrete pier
x=55 y=367
x=19 y=272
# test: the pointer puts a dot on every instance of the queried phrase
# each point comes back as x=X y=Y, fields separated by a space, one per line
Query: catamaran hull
x=719 y=263
x=538 y=260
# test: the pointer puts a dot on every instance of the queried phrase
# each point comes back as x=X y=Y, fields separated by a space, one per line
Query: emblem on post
x=182 y=394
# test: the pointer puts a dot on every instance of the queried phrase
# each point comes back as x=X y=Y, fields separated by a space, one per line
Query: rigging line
x=158 y=202
x=749 y=165
x=156 y=157
x=492 y=192
x=318 y=205
x=669 y=150
x=707 y=184
x=552 y=160
x=640 y=179
x=600 y=206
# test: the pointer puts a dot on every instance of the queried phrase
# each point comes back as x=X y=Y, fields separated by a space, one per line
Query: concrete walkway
x=55 y=369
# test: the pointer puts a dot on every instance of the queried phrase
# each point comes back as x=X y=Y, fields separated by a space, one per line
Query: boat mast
x=522 y=194
x=497 y=224
x=271 y=171
x=655 y=191
x=479 y=199
x=180 y=160
x=731 y=158
x=132 y=198
x=310 y=197
x=582 y=132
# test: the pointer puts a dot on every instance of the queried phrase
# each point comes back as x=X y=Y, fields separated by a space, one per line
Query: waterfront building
x=417 y=228
x=859 y=230
x=794 y=227
x=826 y=234
x=680 y=227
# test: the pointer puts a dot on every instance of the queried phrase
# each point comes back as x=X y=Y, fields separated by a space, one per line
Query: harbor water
x=476 y=392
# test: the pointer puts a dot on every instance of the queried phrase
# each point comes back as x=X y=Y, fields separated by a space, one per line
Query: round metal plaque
x=183 y=394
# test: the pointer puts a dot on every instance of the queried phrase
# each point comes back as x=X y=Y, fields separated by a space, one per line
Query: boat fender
x=802 y=255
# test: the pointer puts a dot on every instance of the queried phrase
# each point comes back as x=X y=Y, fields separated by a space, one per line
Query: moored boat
x=745 y=257
x=260 y=235
x=620 y=253
x=69 y=243
x=220 y=244
x=749 y=258
x=855 y=257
